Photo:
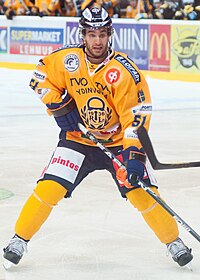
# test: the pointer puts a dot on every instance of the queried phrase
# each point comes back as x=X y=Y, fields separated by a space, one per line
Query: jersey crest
x=96 y=114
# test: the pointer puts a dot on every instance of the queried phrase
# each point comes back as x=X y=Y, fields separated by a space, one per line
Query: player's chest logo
x=96 y=114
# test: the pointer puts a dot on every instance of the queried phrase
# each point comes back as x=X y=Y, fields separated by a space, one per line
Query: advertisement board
x=161 y=48
x=72 y=33
x=3 y=39
x=159 y=57
x=133 y=39
x=35 y=41
x=185 y=48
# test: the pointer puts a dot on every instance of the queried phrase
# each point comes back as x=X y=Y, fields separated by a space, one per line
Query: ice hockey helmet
x=95 y=18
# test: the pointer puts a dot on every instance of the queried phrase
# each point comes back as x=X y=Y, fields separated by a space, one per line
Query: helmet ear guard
x=95 y=18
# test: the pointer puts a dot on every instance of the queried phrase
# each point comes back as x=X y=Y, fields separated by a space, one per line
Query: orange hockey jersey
x=113 y=99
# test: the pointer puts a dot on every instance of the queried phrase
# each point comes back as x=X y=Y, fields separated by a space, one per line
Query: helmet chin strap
x=110 y=41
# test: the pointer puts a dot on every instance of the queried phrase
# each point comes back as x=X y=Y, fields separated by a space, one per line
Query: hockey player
x=103 y=89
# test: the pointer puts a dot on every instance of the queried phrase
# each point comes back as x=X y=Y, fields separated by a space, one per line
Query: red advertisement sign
x=159 y=59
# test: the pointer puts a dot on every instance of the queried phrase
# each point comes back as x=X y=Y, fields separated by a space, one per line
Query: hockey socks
x=158 y=219
x=38 y=207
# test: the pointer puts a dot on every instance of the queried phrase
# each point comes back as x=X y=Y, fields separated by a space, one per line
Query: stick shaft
x=169 y=210
x=141 y=184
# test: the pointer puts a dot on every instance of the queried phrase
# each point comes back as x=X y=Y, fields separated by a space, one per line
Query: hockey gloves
x=134 y=160
x=66 y=114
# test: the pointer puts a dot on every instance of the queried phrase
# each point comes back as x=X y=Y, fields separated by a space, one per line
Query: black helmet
x=95 y=18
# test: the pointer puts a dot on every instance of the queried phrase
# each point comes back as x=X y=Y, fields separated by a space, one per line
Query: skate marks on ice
x=86 y=238
x=89 y=261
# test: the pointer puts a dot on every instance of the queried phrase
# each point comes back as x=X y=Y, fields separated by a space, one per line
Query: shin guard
x=38 y=207
x=158 y=219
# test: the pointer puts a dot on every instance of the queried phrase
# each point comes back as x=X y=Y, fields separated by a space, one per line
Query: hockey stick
x=148 y=148
x=140 y=182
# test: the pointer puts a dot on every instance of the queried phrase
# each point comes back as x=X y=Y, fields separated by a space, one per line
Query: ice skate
x=14 y=252
x=179 y=252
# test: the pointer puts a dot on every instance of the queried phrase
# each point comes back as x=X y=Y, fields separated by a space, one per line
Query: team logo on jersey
x=71 y=62
x=96 y=114
x=112 y=76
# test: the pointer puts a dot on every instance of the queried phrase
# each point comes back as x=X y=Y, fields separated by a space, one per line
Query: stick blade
x=148 y=148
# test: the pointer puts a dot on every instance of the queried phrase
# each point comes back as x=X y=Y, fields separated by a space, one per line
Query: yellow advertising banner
x=185 y=49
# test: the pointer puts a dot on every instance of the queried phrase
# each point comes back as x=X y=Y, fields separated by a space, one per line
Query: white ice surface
x=97 y=235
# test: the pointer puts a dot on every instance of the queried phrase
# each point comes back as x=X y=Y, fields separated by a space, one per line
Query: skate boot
x=179 y=252
x=14 y=251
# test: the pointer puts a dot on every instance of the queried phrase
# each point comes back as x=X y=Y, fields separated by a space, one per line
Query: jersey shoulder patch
x=131 y=69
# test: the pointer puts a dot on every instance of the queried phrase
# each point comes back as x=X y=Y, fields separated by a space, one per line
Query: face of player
x=96 y=42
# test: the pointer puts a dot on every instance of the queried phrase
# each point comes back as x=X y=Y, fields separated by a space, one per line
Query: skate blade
x=8 y=265
x=189 y=266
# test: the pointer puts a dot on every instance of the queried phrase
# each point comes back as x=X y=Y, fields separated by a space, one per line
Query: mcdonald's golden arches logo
x=159 y=45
